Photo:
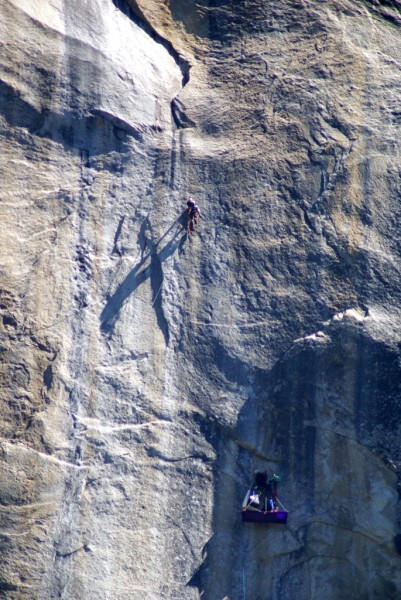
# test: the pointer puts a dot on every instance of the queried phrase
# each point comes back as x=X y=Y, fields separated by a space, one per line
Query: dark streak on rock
x=382 y=8
x=48 y=377
x=181 y=120
x=85 y=547
x=94 y=133
x=154 y=453
x=131 y=9
x=116 y=249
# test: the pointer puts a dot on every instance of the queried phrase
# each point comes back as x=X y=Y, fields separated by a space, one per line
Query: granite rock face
x=146 y=374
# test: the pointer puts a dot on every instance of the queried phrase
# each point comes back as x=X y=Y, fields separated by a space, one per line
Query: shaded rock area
x=146 y=373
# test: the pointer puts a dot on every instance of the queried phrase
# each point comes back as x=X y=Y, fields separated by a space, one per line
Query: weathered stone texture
x=145 y=375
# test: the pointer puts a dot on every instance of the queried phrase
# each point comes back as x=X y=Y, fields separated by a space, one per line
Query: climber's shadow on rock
x=150 y=251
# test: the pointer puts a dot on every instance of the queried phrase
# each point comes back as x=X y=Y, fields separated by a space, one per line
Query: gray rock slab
x=147 y=373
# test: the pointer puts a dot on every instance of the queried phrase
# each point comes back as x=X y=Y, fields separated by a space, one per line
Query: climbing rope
x=283 y=507
x=155 y=298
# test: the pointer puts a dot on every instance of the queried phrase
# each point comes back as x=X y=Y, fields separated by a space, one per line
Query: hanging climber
x=271 y=492
x=194 y=214
x=257 y=492
x=261 y=504
x=254 y=498
x=263 y=493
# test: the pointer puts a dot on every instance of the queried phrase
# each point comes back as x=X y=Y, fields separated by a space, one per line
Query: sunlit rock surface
x=145 y=374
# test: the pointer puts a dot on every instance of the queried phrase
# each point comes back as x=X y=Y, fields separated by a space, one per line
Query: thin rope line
x=153 y=303
x=282 y=506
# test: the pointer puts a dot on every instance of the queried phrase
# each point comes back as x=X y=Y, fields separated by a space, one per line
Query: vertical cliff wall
x=146 y=374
